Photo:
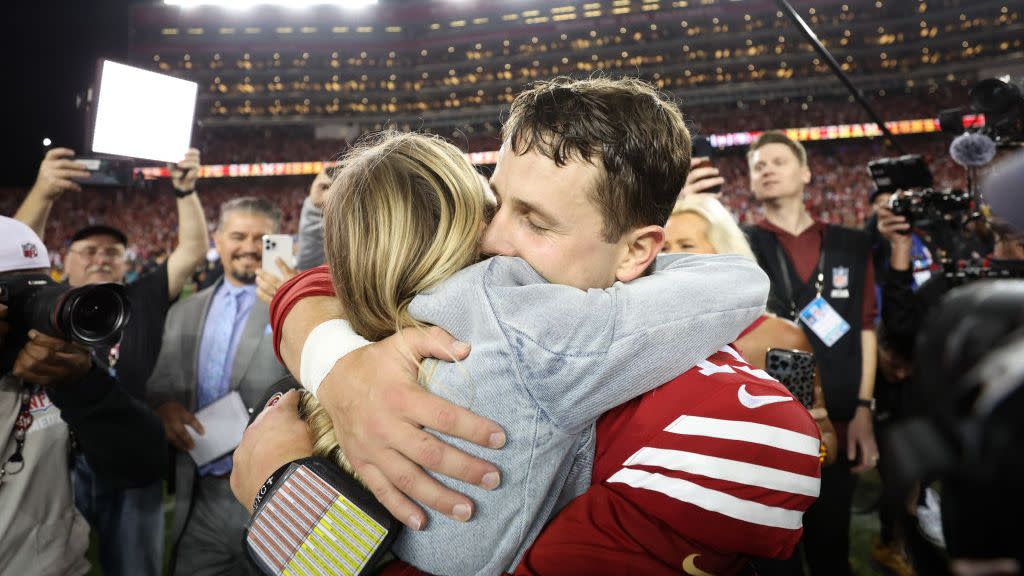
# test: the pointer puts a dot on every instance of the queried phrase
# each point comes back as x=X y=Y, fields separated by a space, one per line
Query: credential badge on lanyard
x=819 y=315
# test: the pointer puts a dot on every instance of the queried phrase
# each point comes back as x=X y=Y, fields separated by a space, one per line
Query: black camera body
x=1001 y=100
x=910 y=181
x=91 y=315
x=968 y=421
x=923 y=207
x=903 y=173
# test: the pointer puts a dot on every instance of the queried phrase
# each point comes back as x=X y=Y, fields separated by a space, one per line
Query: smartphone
x=795 y=370
x=277 y=246
x=702 y=148
x=106 y=173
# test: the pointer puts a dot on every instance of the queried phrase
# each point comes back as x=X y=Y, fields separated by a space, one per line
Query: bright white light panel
x=143 y=114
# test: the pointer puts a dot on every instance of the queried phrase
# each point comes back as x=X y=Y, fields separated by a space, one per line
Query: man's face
x=776 y=172
x=239 y=243
x=547 y=218
x=95 y=260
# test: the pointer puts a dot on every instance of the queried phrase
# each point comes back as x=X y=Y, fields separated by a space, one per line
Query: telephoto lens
x=91 y=315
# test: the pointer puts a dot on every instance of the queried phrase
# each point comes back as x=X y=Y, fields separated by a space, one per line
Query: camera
x=91 y=315
x=909 y=181
x=1001 y=100
x=923 y=207
x=968 y=425
x=904 y=173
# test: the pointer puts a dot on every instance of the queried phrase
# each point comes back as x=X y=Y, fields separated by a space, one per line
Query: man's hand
x=861 y=434
x=703 y=176
x=267 y=284
x=318 y=189
x=56 y=173
x=185 y=173
x=379 y=412
x=277 y=437
x=47 y=361
x=896 y=230
x=175 y=416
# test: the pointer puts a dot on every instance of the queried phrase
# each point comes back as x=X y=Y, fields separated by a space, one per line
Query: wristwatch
x=868 y=403
x=184 y=194
x=311 y=516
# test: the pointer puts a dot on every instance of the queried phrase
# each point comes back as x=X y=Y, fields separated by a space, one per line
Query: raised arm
x=311 y=224
x=379 y=409
x=587 y=352
x=55 y=177
x=193 y=236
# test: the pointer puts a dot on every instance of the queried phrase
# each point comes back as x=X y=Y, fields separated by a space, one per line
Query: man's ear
x=640 y=247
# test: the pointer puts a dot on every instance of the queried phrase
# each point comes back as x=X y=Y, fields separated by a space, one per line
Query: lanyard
x=787 y=283
x=21 y=426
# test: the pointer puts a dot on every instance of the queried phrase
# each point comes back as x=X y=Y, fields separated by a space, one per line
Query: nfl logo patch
x=840 y=277
x=29 y=250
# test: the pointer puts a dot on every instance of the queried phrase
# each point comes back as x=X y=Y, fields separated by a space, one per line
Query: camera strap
x=21 y=426
x=787 y=282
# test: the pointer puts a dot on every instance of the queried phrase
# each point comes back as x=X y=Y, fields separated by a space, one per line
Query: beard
x=245 y=277
x=241 y=272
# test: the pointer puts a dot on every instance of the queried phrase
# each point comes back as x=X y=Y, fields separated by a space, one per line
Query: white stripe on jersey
x=732 y=352
x=724 y=469
x=746 y=432
x=711 y=500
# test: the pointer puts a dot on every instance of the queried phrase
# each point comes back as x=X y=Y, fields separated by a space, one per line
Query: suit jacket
x=254 y=370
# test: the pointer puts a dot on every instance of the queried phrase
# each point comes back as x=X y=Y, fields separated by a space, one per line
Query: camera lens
x=94 y=315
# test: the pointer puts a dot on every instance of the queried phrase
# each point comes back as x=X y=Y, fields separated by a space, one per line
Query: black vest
x=840 y=364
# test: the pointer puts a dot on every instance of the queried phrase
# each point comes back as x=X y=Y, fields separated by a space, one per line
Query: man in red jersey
x=713 y=467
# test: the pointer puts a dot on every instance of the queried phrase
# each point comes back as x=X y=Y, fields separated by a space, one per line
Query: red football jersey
x=695 y=476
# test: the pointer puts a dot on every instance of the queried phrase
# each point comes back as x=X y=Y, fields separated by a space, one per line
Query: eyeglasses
x=91 y=252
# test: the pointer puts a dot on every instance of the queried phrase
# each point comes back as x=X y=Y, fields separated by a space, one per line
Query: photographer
x=49 y=389
x=905 y=304
x=130 y=522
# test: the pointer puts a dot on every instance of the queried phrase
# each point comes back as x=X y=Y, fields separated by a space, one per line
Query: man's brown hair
x=637 y=133
x=779 y=137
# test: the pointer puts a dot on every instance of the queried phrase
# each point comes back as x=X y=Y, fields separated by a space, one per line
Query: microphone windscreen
x=972 y=149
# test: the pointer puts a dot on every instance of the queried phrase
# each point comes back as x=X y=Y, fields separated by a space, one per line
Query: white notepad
x=224 y=421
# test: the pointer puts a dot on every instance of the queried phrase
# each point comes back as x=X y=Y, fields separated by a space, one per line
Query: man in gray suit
x=215 y=343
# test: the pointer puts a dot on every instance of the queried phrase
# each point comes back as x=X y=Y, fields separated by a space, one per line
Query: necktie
x=217 y=361
x=217 y=365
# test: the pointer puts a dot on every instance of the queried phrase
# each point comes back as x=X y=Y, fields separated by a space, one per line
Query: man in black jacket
x=53 y=399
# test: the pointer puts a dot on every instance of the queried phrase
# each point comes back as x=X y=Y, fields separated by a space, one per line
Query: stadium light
x=246 y=4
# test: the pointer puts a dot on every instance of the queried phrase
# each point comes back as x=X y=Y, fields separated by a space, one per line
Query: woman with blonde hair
x=401 y=231
x=700 y=224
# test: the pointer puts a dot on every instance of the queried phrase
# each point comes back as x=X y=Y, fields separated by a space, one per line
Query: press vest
x=846 y=257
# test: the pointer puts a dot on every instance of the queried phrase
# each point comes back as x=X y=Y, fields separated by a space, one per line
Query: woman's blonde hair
x=404 y=213
x=723 y=232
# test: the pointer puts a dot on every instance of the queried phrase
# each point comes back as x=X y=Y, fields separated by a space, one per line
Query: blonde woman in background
x=700 y=224
x=401 y=231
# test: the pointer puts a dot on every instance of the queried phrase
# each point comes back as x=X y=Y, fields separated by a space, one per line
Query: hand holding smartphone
x=703 y=177
x=277 y=246
x=795 y=370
